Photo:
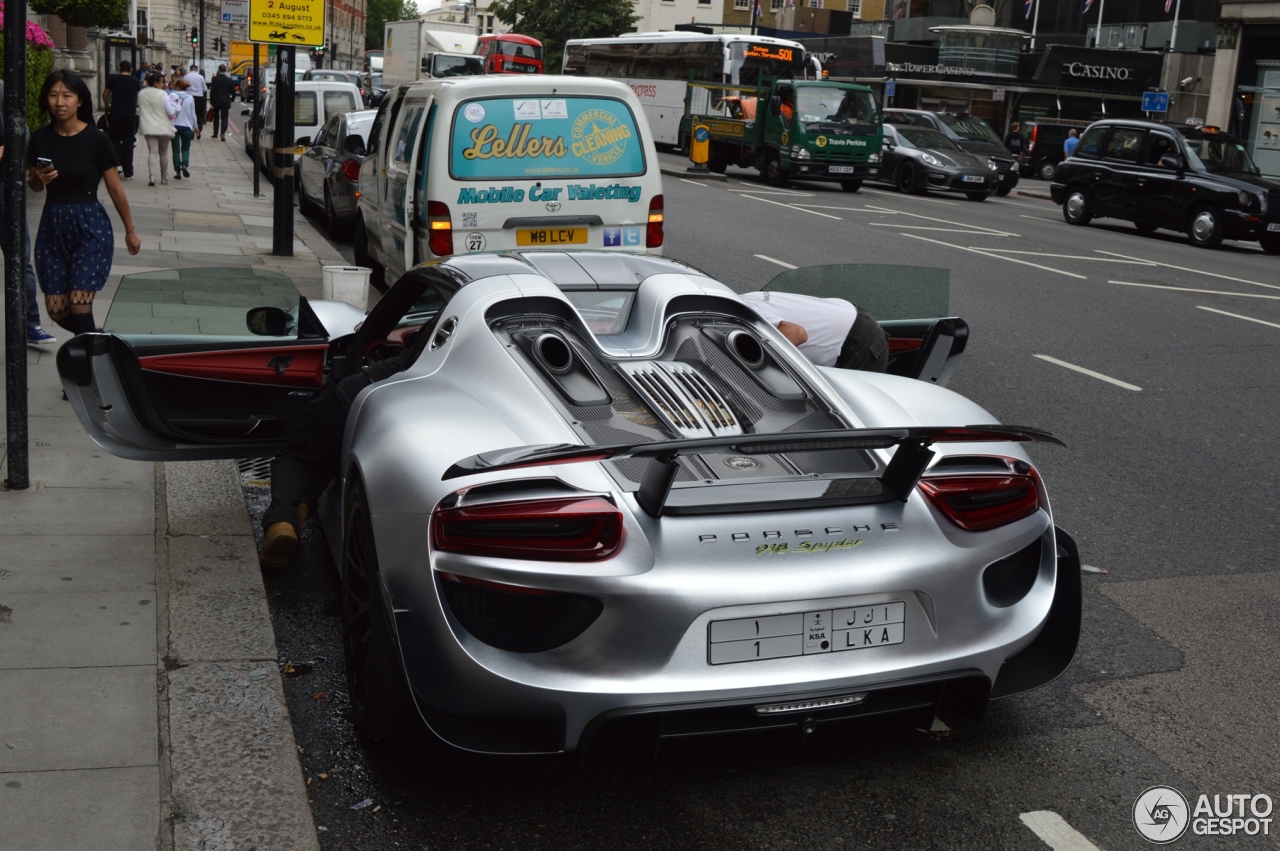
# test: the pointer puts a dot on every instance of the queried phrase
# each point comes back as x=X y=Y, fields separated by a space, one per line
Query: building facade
x=657 y=15
x=1245 y=89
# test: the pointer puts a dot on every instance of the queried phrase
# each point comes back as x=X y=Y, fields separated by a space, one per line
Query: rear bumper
x=823 y=171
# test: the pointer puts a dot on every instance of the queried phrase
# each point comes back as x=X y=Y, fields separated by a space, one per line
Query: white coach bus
x=658 y=65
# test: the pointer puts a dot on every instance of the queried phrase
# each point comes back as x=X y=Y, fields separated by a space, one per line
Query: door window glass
x=208 y=302
x=304 y=109
x=1125 y=144
x=1090 y=142
x=403 y=145
x=376 y=132
x=1160 y=146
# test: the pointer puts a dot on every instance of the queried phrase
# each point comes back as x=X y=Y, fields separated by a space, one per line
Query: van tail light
x=1032 y=145
x=567 y=529
x=351 y=170
x=981 y=502
x=653 y=238
x=440 y=227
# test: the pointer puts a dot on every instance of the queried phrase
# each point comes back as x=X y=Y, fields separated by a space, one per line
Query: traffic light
x=195 y=35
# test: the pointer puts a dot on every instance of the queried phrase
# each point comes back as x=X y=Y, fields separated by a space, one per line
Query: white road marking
x=1072 y=256
x=1098 y=375
x=1237 y=316
x=1190 y=290
x=942 y=221
x=766 y=190
x=1041 y=218
x=995 y=256
x=831 y=207
x=793 y=207
x=968 y=231
x=907 y=197
x=1013 y=203
x=1054 y=831
x=1194 y=271
x=694 y=182
x=781 y=263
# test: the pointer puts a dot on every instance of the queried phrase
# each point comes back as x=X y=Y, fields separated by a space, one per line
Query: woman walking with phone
x=74 y=244
x=155 y=123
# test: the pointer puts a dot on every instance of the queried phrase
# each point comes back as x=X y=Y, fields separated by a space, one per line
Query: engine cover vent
x=683 y=397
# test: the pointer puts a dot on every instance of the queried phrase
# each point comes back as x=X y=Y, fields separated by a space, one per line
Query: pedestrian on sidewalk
x=155 y=121
x=121 y=100
x=36 y=335
x=184 y=127
x=75 y=244
x=198 y=90
x=222 y=91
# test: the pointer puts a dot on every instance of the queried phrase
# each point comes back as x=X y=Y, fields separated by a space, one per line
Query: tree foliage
x=381 y=11
x=545 y=21
x=86 y=13
x=39 y=66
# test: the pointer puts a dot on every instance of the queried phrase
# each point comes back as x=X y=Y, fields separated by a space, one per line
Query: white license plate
x=808 y=633
x=973 y=178
x=1273 y=227
x=841 y=169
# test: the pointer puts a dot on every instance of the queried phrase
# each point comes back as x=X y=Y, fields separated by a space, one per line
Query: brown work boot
x=280 y=540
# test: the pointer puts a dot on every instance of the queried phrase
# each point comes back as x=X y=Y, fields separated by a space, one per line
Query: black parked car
x=1043 y=149
x=1198 y=180
x=917 y=159
x=969 y=132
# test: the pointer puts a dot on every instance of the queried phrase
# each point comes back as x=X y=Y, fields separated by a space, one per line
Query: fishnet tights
x=62 y=306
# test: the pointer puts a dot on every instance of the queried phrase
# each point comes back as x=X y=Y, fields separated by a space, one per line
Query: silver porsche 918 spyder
x=607 y=491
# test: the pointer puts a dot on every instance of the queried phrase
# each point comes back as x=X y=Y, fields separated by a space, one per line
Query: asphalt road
x=1168 y=484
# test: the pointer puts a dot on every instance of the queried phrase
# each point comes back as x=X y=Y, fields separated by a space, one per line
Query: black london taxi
x=1198 y=180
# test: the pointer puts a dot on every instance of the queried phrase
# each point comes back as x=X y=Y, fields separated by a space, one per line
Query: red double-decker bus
x=509 y=53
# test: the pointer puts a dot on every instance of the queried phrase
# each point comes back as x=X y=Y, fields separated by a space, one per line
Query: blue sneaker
x=37 y=335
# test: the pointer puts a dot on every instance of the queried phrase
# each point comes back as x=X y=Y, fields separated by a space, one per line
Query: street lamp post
x=15 y=204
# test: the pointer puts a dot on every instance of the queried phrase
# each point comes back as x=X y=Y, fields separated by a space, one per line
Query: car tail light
x=440 y=226
x=653 y=238
x=351 y=169
x=567 y=529
x=1032 y=145
x=982 y=502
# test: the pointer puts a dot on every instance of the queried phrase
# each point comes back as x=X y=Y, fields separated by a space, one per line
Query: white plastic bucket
x=346 y=283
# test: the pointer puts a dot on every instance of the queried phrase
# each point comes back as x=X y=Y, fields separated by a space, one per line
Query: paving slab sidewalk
x=140 y=696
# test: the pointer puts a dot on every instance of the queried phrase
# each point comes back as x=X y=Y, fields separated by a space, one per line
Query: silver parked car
x=328 y=172
x=607 y=491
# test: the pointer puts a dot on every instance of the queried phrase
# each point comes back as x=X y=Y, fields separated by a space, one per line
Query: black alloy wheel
x=1075 y=207
x=909 y=180
x=1270 y=244
x=976 y=196
x=332 y=224
x=1146 y=227
x=381 y=704
x=851 y=185
x=774 y=173
x=1204 y=227
x=1045 y=169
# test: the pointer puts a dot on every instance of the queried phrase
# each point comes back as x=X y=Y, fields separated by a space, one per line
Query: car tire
x=976 y=196
x=1204 y=227
x=1075 y=207
x=908 y=180
x=1146 y=227
x=717 y=165
x=774 y=173
x=1271 y=245
x=333 y=226
x=381 y=703
x=851 y=185
x=1045 y=169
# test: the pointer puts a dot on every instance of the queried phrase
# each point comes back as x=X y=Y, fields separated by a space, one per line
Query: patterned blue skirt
x=74 y=247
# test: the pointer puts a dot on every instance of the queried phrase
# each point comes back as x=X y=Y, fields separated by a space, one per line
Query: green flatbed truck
x=789 y=129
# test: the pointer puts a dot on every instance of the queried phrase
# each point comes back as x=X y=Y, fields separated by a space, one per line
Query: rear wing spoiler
x=899 y=478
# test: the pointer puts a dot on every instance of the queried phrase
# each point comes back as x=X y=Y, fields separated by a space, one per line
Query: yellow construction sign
x=299 y=22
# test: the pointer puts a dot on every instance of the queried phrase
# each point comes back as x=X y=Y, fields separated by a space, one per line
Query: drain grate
x=254 y=471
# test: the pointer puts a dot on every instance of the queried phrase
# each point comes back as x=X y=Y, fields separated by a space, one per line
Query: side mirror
x=775 y=102
x=1172 y=161
x=305 y=142
x=268 y=321
x=354 y=144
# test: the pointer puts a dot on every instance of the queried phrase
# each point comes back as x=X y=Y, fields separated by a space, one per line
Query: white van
x=501 y=162
x=314 y=101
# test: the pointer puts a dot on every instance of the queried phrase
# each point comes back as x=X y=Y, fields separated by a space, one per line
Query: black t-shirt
x=124 y=93
x=80 y=160
x=1014 y=142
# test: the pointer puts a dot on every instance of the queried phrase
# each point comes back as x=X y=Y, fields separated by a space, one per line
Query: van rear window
x=514 y=138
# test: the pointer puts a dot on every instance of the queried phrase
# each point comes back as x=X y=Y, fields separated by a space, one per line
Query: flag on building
x=757 y=12
x=1168 y=5
x=1088 y=4
x=1030 y=3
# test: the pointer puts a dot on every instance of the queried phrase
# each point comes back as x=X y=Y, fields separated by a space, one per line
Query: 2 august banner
x=514 y=138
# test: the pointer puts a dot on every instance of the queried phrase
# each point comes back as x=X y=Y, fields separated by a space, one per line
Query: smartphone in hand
x=43 y=162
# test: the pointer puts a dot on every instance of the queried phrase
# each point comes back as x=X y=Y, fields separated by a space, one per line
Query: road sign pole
x=256 y=83
x=282 y=157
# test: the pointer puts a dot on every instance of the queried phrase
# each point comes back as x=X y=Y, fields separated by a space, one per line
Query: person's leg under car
x=866 y=347
x=305 y=467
